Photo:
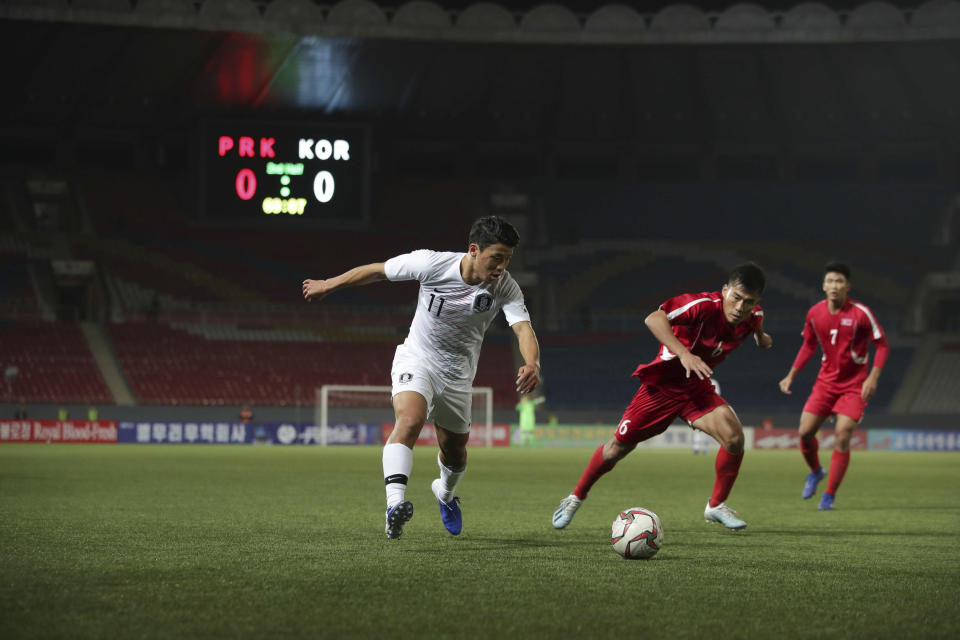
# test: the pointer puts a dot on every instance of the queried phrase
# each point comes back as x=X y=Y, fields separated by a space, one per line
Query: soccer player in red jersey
x=843 y=328
x=696 y=331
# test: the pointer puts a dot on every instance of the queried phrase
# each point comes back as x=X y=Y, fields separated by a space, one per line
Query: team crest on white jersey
x=405 y=378
x=482 y=302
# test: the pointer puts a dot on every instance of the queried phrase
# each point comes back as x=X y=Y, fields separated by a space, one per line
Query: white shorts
x=447 y=408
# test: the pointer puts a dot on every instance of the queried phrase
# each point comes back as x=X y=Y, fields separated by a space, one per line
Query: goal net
x=338 y=405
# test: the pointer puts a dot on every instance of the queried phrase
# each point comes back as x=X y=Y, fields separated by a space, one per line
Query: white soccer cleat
x=724 y=515
x=564 y=513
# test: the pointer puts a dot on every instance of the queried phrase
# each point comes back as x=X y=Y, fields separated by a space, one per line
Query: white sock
x=397 y=465
x=448 y=480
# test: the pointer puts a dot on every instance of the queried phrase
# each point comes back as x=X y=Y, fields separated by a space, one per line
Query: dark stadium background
x=638 y=159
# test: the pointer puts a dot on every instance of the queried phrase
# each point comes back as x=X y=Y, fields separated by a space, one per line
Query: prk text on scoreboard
x=283 y=170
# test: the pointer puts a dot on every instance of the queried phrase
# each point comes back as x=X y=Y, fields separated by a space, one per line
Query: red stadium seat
x=54 y=364
x=166 y=365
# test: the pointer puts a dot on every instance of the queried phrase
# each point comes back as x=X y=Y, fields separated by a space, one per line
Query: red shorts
x=825 y=400
x=653 y=409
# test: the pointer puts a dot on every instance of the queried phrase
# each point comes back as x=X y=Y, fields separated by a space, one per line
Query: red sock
x=810 y=448
x=727 y=466
x=838 y=466
x=595 y=468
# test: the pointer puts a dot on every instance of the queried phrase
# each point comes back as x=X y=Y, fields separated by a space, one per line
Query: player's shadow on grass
x=906 y=507
x=473 y=543
x=558 y=541
x=495 y=543
x=835 y=533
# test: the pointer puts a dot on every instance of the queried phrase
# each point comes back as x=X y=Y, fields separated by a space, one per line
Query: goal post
x=357 y=397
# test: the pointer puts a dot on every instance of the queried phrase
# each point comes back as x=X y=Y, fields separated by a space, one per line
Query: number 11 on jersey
x=439 y=306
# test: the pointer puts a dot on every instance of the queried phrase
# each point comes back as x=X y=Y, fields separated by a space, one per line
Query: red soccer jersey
x=844 y=337
x=699 y=324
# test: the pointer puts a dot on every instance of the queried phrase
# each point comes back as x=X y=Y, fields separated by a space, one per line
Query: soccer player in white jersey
x=433 y=370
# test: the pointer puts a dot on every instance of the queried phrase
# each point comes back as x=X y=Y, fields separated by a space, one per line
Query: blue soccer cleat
x=724 y=515
x=449 y=511
x=564 y=513
x=397 y=516
x=826 y=502
x=813 y=479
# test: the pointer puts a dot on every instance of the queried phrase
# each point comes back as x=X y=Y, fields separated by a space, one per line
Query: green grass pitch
x=270 y=542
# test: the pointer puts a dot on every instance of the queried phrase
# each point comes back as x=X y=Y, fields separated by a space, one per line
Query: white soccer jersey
x=452 y=316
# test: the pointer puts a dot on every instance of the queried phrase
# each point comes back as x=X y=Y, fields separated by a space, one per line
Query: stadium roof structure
x=574 y=22
x=870 y=81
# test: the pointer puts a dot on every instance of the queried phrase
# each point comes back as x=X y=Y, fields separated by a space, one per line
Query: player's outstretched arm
x=528 y=376
x=366 y=274
x=659 y=326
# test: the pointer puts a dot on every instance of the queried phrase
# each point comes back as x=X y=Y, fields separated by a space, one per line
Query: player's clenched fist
x=315 y=289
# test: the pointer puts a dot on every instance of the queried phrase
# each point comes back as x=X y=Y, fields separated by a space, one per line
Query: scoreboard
x=285 y=171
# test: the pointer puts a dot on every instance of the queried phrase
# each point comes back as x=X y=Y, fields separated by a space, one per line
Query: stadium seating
x=584 y=370
x=54 y=364
x=221 y=365
x=592 y=370
x=230 y=326
x=156 y=245
x=940 y=391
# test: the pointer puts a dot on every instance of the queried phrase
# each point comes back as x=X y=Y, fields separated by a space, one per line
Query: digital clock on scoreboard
x=311 y=172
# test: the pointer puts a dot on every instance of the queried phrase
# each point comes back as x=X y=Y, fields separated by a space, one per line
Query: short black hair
x=837 y=267
x=490 y=230
x=750 y=276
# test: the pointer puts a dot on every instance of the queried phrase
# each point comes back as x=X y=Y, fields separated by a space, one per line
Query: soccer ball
x=636 y=533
